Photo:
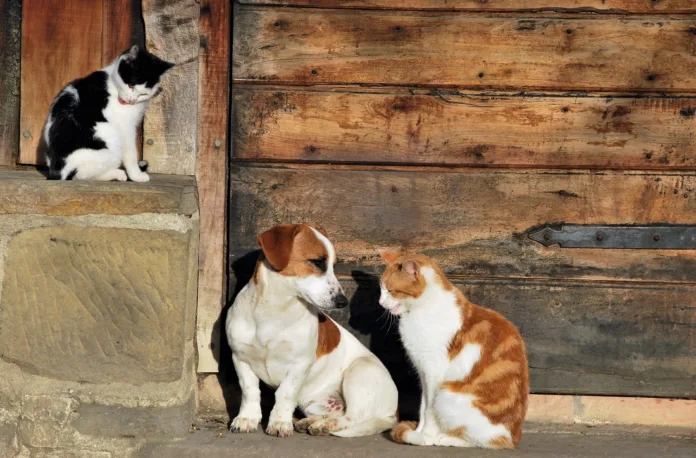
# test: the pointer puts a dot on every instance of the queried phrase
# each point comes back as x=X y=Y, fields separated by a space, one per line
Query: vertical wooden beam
x=171 y=32
x=211 y=174
x=10 y=31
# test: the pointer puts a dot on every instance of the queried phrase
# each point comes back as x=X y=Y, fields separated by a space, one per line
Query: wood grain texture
x=10 y=39
x=211 y=176
x=118 y=28
x=74 y=31
x=473 y=223
x=453 y=128
x=598 y=6
x=581 y=337
x=310 y=46
x=171 y=32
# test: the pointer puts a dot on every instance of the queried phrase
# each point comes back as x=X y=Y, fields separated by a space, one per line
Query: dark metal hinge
x=626 y=237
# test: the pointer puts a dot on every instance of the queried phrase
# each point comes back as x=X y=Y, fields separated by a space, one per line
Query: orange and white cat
x=471 y=360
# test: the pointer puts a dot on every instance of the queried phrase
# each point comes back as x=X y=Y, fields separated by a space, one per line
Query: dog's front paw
x=244 y=425
x=279 y=428
x=140 y=177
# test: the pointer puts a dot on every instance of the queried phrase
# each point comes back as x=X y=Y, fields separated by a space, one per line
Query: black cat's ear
x=132 y=53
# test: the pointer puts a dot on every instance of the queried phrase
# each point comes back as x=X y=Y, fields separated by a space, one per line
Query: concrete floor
x=549 y=442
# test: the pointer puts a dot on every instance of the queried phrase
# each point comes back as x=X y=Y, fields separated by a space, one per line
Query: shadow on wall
x=367 y=317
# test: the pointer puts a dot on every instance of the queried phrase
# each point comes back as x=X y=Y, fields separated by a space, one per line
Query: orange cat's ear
x=411 y=267
x=388 y=256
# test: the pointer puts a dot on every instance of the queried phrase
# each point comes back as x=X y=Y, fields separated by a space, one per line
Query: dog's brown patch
x=329 y=335
x=399 y=431
x=459 y=433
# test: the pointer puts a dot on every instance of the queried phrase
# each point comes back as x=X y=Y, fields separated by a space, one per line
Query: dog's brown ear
x=320 y=229
x=276 y=244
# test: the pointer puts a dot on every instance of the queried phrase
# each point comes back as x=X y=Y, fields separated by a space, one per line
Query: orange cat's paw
x=400 y=430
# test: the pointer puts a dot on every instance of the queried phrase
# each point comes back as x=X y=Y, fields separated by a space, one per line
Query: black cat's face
x=138 y=75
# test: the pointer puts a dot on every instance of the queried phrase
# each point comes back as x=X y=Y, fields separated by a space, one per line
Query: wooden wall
x=453 y=128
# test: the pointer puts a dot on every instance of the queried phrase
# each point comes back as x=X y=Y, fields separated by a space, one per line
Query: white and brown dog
x=279 y=334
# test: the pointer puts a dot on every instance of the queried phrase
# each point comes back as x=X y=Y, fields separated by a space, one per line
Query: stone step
x=537 y=442
x=97 y=313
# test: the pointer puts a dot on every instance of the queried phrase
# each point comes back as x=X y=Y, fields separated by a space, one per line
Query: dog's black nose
x=341 y=301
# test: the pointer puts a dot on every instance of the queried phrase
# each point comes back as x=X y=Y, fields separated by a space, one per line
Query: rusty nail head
x=652 y=77
x=218 y=143
x=657 y=237
x=395 y=107
x=569 y=31
x=547 y=235
x=481 y=75
x=600 y=236
x=312 y=148
x=150 y=142
x=565 y=109
x=277 y=24
x=397 y=28
x=27 y=134
x=314 y=71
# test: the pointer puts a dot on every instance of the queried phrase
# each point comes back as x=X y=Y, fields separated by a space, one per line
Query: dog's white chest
x=271 y=345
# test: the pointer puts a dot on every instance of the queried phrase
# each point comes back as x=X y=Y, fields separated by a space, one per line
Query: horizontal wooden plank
x=597 y=6
x=452 y=128
x=474 y=223
x=314 y=46
x=582 y=338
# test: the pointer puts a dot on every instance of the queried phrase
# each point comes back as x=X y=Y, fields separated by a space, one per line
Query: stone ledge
x=24 y=192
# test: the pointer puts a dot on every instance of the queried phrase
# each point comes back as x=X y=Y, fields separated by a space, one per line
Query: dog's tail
x=367 y=427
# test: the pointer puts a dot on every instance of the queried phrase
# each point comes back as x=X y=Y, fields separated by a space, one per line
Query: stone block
x=95 y=304
x=44 y=419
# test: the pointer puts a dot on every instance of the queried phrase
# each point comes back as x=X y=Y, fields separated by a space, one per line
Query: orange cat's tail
x=400 y=430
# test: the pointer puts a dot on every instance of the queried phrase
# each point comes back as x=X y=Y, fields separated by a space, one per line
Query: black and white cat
x=91 y=127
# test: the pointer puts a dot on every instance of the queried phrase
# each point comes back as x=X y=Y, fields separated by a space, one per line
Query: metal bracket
x=621 y=237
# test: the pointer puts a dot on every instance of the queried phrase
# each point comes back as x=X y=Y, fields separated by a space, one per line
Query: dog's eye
x=319 y=264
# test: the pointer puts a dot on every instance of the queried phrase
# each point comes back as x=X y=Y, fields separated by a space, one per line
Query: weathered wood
x=451 y=128
x=10 y=33
x=211 y=176
x=171 y=32
x=473 y=223
x=304 y=46
x=29 y=193
x=74 y=31
x=595 y=6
